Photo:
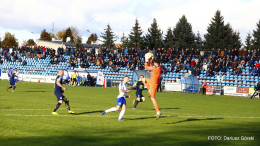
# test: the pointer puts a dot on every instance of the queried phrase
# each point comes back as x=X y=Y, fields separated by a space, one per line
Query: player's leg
x=67 y=105
x=9 y=87
x=117 y=108
x=13 y=88
x=155 y=104
x=122 y=112
x=136 y=101
x=57 y=107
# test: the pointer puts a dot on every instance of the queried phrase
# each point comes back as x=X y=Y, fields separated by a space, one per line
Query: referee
x=204 y=86
x=74 y=79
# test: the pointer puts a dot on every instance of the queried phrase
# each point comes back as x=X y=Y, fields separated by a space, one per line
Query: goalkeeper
x=152 y=83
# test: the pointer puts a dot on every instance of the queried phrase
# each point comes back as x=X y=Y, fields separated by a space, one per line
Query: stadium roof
x=70 y=44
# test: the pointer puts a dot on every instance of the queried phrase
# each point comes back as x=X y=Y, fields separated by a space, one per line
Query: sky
x=22 y=17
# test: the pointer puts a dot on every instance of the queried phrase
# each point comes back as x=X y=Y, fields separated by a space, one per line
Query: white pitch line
x=132 y=116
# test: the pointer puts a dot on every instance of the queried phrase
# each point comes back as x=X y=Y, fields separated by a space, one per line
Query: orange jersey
x=155 y=73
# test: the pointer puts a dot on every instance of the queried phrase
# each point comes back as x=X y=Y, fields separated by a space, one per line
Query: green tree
x=108 y=37
x=30 y=42
x=78 y=44
x=45 y=35
x=9 y=40
x=68 y=33
x=124 y=41
x=185 y=38
x=52 y=35
x=198 y=41
x=153 y=38
x=169 y=39
x=220 y=35
x=248 y=41
x=135 y=35
x=256 y=35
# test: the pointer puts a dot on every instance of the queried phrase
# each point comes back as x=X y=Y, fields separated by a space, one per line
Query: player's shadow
x=91 y=112
x=193 y=119
x=168 y=108
x=32 y=91
x=154 y=117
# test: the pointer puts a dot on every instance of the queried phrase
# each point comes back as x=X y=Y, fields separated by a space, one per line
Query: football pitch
x=187 y=119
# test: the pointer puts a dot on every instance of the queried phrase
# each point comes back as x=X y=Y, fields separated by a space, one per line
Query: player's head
x=60 y=72
x=141 y=76
x=16 y=69
x=156 y=63
x=126 y=79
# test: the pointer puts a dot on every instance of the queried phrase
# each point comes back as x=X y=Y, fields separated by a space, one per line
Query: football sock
x=136 y=103
x=141 y=100
x=121 y=114
x=111 y=110
x=9 y=87
x=14 y=87
x=155 y=105
x=57 y=106
x=67 y=105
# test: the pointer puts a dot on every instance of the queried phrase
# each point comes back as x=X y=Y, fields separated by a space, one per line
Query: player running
x=74 y=79
x=16 y=77
x=58 y=92
x=121 y=102
x=139 y=88
x=152 y=83
x=12 y=82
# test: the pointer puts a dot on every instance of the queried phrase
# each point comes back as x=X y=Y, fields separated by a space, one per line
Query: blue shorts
x=59 y=95
x=15 y=80
x=120 y=101
x=12 y=82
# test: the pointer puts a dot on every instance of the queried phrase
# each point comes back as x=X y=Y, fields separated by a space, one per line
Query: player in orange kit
x=152 y=83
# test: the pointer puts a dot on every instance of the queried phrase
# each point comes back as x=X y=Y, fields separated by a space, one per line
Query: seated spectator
x=216 y=70
x=257 y=64
x=223 y=70
x=132 y=66
x=103 y=65
x=197 y=72
x=82 y=65
x=67 y=80
x=140 y=67
x=210 y=73
x=52 y=61
x=237 y=71
x=255 y=71
x=163 y=69
x=20 y=59
x=79 y=80
x=178 y=68
x=205 y=66
x=24 y=62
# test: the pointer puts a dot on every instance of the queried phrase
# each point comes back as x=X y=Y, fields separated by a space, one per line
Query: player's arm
x=132 y=86
x=59 y=84
x=130 y=96
x=125 y=91
x=146 y=66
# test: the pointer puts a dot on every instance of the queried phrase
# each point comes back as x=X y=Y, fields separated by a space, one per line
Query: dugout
x=190 y=84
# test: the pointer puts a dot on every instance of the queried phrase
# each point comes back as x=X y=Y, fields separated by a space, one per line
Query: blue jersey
x=58 y=88
x=12 y=77
x=139 y=87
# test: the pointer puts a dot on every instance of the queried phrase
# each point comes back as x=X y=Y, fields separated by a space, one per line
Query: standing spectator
x=160 y=84
x=204 y=87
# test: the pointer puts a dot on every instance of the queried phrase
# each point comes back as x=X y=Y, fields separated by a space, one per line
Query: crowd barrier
x=215 y=90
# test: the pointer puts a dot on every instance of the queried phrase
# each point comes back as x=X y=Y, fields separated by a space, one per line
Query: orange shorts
x=151 y=86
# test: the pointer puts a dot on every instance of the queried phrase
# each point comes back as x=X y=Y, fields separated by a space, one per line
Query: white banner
x=100 y=78
x=50 y=79
x=172 y=86
x=36 y=78
x=230 y=91
x=4 y=76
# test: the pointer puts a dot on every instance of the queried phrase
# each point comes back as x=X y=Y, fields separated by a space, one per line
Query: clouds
x=24 y=17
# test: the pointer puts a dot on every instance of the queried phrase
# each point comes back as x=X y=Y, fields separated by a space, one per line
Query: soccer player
x=74 y=79
x=139 y=88
x=12 y=82
x=16 y=77
x=121 y=102
x=58 y=92
x=10 y=72
x=152 y=84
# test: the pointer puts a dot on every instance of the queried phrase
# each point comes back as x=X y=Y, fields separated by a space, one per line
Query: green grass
x=188 y=119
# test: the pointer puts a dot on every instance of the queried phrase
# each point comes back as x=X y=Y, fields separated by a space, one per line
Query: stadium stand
x=234 y=67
